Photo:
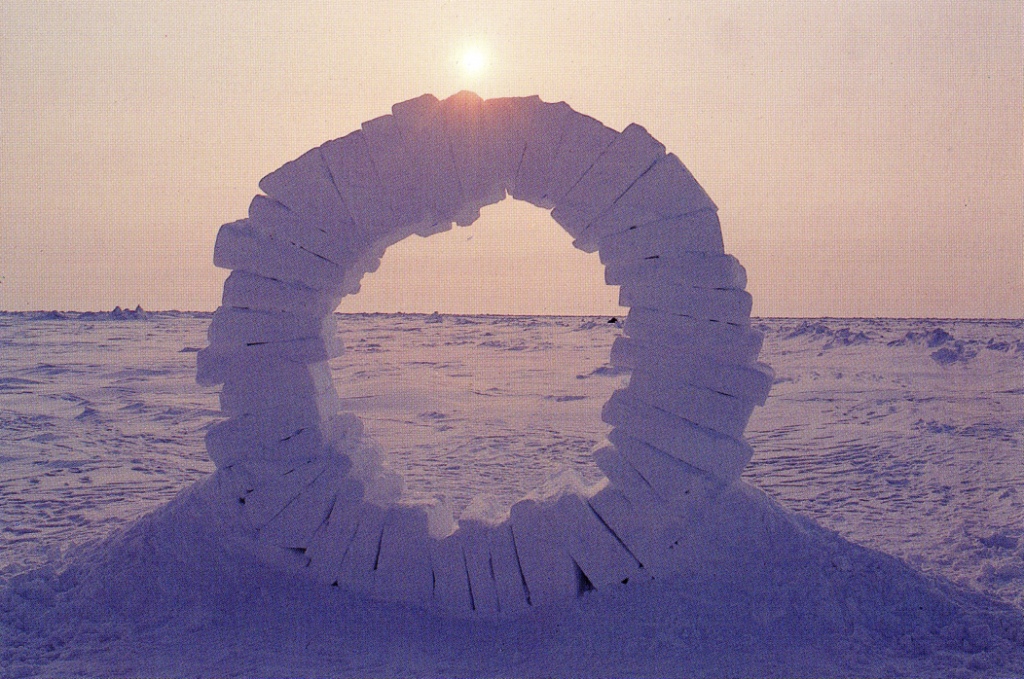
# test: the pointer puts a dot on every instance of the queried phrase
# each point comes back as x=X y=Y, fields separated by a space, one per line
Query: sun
x=473 y=61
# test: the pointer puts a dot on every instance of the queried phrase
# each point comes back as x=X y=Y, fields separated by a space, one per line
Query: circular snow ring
x=295 y=470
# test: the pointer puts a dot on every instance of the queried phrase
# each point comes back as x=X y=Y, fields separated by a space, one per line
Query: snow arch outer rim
x=326 y=219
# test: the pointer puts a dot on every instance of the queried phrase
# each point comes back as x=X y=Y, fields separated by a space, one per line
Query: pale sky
x=866 y=157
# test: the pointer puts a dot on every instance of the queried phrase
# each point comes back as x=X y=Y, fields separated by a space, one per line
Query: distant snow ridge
x=296 y=473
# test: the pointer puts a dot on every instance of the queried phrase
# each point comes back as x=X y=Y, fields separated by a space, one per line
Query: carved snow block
x=726 y=342
x=275 y=492
x=403 y=564
x=628 y=480
x=549 y=571
x=621 y=164
x=269 y=385
x=245 y=437
x=509 y=581
x=239 y=247
x=359 y=184
x=722 y=456
x=306 y=187
x=272 y=220
x=682 y=268
x=450 y=576
x=600 y=553
x=583 y=141
x=666 y=189
x=669 y=237
x=502 y=123
x=333 y=538
x=294 y=526
x=720 y=412
x=420 y=124
x=727 y=306
x=394 y=166
x=750 y=384
x=243 y=290
x=634 y=525
x=542 y=138
x=359 y=566
x=214 y=363
x=476 y=546
x=239 y=327
x=681 y=485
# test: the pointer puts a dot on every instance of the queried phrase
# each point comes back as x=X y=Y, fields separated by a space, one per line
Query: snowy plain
x=904 y=436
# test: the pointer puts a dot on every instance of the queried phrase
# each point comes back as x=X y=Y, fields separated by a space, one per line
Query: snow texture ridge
x=297 y=473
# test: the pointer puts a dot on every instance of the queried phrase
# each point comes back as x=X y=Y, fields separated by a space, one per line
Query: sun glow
x=473 y=61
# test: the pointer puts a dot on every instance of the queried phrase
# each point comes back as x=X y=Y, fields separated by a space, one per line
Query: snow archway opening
x=514 y=259
x=487 y=405
x=297 y=473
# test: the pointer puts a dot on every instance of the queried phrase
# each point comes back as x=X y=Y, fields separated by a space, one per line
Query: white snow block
x=243 y=290
x=549 y=571
x=403 y=571
x=508 y=574
x=450 y=592
x=239 y=247
x=394 y=166
x=306 y=187
x=719 y=455
x=699 y=232
x=332 y=540
x=667 y=189
x=583 y=141
x=511 y=118
x=719 y=412
x=478 y=170
x=647 y=523
x=240 y=327
x=725 y=342
x=654 y=537
x=214 y=362
x=628 y=480
x=275 y=222
x=218 y=498
x=680 y=484
x=600 y=554
x=621 y=164
x=360 y=186
x=294 y=527
x=543 y=135
x=282 y=414
x=709 y=304
x=275 y=491
x=476 y=546
x=215 y=365
x=695 y=269
x=631 y=524
x=360 y=563
x=248 y=388
x=247 y=437
x=750 y=384
x=421 y=126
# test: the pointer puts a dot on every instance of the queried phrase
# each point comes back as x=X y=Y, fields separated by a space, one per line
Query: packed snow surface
x=902 y=436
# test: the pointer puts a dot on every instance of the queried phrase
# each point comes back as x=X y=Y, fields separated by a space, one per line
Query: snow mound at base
x=758 y=591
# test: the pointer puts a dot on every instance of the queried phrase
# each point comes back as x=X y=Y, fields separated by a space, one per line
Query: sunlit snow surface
x=906 y=436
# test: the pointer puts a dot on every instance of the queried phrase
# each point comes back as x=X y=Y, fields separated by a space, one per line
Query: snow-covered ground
x=903 y=436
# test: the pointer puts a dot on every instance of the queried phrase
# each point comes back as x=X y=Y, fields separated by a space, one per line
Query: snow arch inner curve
x=295 y=470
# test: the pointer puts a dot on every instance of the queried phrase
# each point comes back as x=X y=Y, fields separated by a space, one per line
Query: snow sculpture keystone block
x=541 y=143
x=298 y=476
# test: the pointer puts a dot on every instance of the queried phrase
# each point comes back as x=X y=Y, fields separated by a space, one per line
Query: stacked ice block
x=298 y=474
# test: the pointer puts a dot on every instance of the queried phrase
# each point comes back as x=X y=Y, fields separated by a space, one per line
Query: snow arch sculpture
x=295 y=472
